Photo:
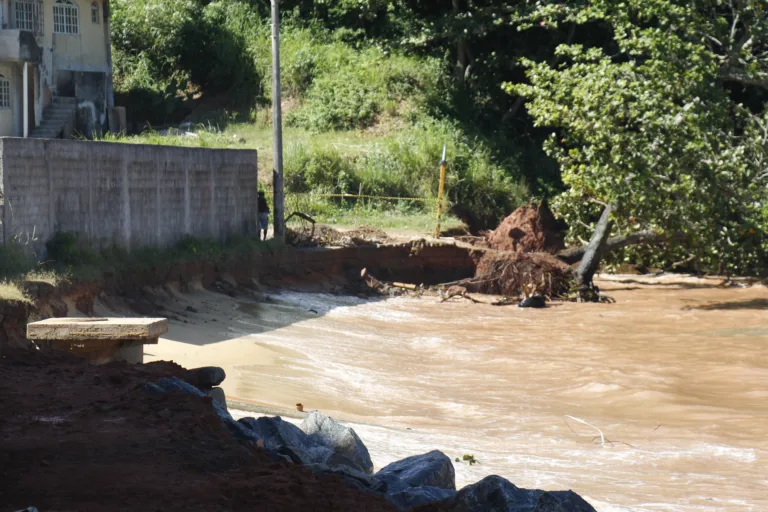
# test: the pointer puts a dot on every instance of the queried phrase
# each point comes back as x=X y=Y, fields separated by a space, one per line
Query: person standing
x=263 y=209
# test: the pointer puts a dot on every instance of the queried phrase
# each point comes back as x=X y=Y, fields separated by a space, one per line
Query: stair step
x=64 y=99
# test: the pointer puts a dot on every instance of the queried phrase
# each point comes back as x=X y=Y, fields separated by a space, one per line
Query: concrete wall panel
x=123 y=194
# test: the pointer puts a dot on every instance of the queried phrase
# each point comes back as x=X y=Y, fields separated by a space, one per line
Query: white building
x=55 y=67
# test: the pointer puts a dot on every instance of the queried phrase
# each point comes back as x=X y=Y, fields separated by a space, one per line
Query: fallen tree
x=585 y=272
x=574 y=255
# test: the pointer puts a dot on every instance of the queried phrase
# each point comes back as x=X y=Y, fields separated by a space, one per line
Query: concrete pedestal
x=99 y=340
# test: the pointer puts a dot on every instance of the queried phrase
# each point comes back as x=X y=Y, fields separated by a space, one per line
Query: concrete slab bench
x=99 y=340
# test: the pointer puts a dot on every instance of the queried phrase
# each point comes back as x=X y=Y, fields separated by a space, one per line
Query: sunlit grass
x=12 y=292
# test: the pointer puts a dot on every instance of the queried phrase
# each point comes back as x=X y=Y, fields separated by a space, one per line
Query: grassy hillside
x=358 y=115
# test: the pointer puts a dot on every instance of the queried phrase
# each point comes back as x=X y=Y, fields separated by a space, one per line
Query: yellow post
x=440 y=192
x=357 y=205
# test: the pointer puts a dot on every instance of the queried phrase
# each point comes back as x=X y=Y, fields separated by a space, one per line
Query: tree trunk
x=462 y=53
x=575 y=254
x=592 y=256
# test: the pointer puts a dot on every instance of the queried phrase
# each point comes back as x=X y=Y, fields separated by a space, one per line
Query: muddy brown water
x=674 y=376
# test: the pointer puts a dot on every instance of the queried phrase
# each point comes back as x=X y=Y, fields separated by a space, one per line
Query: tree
x=651 y=121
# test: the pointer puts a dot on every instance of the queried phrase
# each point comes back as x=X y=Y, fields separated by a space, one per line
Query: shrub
x=340 y=101
x=15 y=260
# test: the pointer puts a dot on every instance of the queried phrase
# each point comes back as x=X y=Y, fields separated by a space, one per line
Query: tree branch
x=575 y=254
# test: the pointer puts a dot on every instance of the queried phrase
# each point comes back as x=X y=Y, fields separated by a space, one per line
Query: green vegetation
x=657 y=106
x=358 y=115
x=70 y=258
x=70 y=255
x=653 y=125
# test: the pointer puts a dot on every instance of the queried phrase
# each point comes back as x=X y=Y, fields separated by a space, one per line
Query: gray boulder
x=352 y=477
x=207 y=377
x=218 y=396
x=496 y=494
x=175 y=385
x=433 y=469
x=417 y=496
x=342 y=440
x=289 y=440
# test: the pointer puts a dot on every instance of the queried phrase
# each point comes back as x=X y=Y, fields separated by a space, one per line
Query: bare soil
x=75 y=437
x=528 y=229
x=302 y=235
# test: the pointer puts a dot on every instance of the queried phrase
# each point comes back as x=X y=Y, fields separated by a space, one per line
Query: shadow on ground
x=203 y=316
x=736 y=305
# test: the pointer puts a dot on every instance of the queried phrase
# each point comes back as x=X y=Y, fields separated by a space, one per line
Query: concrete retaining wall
x=125 y=194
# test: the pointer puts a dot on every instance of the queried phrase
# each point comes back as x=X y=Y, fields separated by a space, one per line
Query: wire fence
x=354 y=210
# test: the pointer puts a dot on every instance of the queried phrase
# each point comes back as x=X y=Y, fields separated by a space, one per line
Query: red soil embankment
x=85 y=438
x=528 y=229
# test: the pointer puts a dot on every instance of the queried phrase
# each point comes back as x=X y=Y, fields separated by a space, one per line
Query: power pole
x=277 y=126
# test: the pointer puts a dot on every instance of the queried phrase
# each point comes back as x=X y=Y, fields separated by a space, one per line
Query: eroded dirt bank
x=89 y=438
x=335 y=270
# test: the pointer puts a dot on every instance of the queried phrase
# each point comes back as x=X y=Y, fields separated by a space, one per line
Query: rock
x=352 y=477
x=287 y=439
x=217 y=394
x=207 y=377
x=537 y=301
x=496 y=494
x=417 y=496
x=342 y=440
x=433 y=469
x=191 y=309
x=175 y=385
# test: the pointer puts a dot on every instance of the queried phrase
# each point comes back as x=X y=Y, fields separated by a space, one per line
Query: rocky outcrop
x=496 y=494
x=342 y=440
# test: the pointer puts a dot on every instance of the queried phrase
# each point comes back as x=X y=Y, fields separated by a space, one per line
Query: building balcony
x=19 y=46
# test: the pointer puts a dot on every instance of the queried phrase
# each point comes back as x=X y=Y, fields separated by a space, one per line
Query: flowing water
x=674 y=376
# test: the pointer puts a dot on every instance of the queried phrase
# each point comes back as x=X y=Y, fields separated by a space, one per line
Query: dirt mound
x=516 y=274
x=529 y=229
x=87 y=438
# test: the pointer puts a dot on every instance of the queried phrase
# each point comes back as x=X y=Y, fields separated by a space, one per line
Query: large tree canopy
x=653 y=121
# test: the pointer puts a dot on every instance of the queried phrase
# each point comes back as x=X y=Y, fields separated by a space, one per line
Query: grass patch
x=70 y=258
x=11 y=292
x=413 y=224
x=50 y=277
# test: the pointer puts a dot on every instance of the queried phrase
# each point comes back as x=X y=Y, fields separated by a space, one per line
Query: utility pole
x=441 y=191
x=277 y=126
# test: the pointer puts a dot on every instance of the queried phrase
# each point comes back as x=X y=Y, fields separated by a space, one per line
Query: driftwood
x=583 y=275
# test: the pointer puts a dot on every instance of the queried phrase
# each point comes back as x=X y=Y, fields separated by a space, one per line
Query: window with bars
x=5 y=92
x=28 y=15
x=65 y=17
x=95 y=13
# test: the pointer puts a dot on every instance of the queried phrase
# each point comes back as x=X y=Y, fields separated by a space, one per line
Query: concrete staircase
x=58 y=119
